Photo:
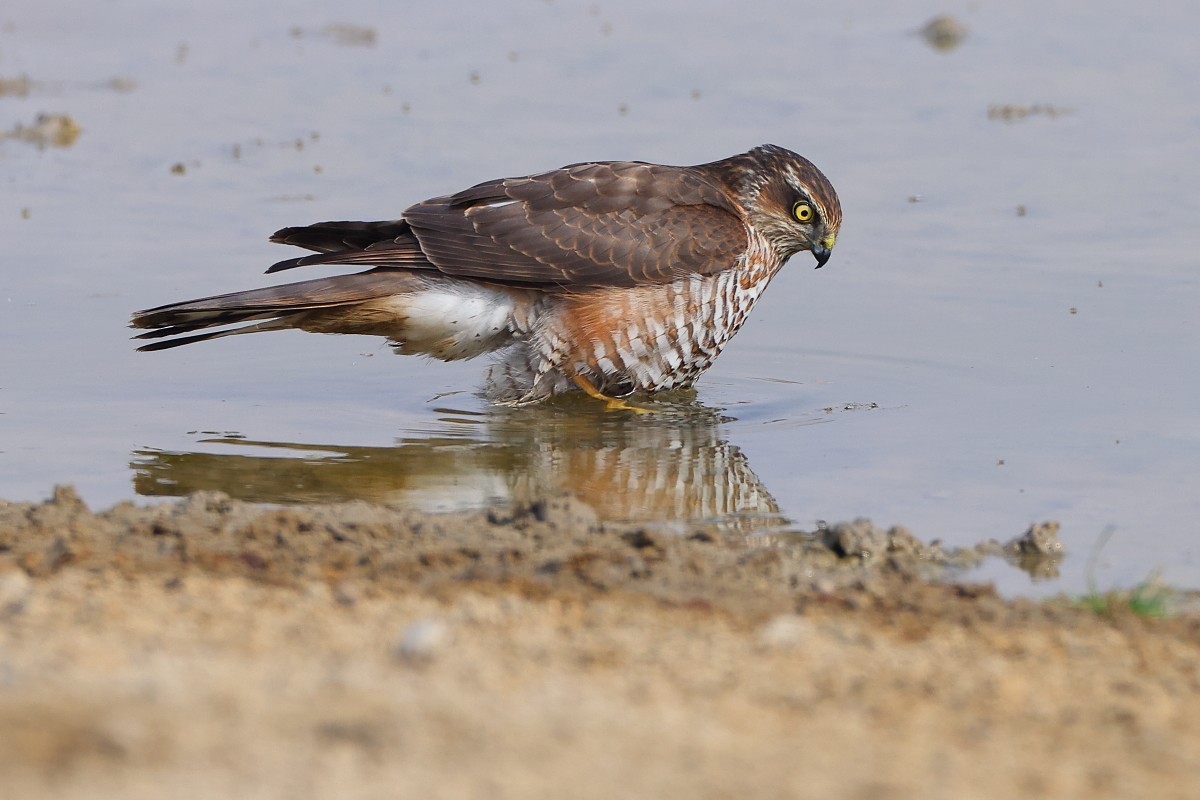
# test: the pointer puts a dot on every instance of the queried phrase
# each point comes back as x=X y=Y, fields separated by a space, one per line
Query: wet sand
x=214 y=648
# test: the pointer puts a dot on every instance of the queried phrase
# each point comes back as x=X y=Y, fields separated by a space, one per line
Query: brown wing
x=592 y=224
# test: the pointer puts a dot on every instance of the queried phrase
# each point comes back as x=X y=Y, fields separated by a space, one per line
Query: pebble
x=422 y=641
x=785 y=632
x=15 y=588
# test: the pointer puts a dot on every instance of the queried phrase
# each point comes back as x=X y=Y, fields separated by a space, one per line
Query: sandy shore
x=212 y=648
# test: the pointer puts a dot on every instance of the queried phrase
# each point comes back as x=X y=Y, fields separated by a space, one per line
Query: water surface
x=1006 y=332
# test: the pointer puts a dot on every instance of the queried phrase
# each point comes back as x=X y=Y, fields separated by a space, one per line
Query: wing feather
x=592 y=224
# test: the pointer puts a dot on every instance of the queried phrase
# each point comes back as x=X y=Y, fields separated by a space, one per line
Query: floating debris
x=1012 y=112
x=48 y=130
x=120 y=83
x=15 y=87
x=351 y=35
x=344 y=34
x=944 y=33
x=851 y=407
x=23 y=85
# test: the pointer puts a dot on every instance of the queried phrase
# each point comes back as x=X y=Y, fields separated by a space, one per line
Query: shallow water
x=1007 y=331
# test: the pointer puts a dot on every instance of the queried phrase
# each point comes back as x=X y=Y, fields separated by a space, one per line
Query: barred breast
x=649 y=338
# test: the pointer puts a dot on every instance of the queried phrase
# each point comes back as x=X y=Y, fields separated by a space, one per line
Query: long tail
x=320 y=304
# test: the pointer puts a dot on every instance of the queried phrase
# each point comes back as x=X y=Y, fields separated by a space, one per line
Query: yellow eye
x=803 y=212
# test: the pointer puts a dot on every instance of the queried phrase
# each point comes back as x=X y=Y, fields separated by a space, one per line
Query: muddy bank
x=210 y=646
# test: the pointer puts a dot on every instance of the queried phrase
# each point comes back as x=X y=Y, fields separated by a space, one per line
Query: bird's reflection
x=670 y=466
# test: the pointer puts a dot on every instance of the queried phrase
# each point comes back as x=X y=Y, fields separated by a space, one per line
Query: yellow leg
x=610 y=403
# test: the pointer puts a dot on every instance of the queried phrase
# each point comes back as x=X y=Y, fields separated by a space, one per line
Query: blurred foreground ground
x=213 y=648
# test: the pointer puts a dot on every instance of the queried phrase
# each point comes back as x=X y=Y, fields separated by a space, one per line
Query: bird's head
x=787 y=199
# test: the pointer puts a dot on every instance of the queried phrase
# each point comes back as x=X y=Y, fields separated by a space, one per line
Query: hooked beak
x=823 y=249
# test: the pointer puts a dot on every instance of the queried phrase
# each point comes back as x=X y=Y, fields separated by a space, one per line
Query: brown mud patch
x=211 y=647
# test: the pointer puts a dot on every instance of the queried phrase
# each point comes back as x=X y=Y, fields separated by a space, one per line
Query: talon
x=610 y=403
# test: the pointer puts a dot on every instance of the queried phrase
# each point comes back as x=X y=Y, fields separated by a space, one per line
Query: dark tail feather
x=328 y=237
x=389 y=243
x=282 y=323
x=280 y=307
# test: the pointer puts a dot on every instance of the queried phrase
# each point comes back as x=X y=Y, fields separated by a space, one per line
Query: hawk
x=611 y=277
